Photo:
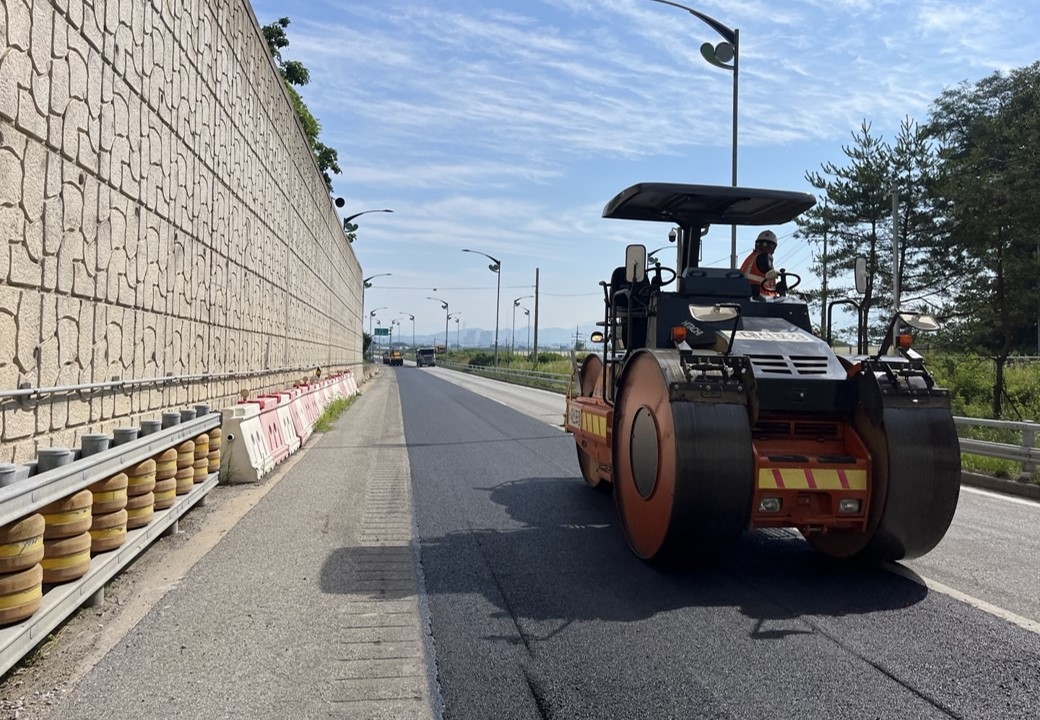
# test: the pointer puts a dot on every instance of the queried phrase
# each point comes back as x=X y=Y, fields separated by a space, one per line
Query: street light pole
x=495 y=267
x=512 y=338
x=458 y=335
x=528 y=314
x=456 y=316
x=370 y=316
x=412 y=317
x=444 y=305
x=719 y=55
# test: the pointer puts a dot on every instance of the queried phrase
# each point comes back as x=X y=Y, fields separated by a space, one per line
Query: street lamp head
x=496 y=263
x=350 y=228
x=368 y=281
x=719 y=55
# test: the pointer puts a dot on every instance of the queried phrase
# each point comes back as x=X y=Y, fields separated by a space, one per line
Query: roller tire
x=686 y=500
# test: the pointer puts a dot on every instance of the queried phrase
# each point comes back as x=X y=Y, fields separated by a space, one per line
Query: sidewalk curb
x=1010 y=487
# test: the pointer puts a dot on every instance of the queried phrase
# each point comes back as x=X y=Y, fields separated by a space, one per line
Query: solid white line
x=1001 y=496
x=1023 y=622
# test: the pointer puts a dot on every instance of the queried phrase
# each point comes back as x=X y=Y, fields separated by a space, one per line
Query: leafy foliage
x=988 y=198
x=294 y=73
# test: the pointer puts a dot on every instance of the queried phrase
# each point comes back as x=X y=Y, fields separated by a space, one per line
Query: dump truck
x=708 y=412
x=426 y=357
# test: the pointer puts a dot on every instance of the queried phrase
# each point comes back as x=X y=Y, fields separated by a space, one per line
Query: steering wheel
x=658 y=281
x=783 y=286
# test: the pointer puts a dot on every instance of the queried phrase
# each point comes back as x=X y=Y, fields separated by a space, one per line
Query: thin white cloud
x=510 y=124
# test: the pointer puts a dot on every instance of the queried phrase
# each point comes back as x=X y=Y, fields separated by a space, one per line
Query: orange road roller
x=708 y=411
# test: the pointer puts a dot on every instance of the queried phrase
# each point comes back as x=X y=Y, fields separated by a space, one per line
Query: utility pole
x=823 y=263
x=534 y=358
x=895 y=247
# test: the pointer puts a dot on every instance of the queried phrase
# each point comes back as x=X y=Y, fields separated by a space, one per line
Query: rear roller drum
x=683 y=471
x=590 y=377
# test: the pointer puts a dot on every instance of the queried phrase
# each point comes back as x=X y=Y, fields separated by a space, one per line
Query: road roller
x=708 y=412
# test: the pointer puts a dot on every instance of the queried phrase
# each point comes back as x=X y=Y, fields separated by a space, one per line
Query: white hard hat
x=766 y=236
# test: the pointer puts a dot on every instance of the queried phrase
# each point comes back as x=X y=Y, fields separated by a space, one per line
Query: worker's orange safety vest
x=750 y=269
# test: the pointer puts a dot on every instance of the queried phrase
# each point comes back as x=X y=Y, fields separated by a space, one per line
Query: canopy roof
x=701 y=205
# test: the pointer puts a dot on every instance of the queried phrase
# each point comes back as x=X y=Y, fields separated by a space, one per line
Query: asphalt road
x=538 y=610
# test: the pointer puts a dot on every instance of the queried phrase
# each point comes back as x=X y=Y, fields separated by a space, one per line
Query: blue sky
x=504 y=126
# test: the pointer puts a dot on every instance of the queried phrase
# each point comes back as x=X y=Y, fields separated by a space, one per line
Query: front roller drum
x=683 y=471
x=915 y=485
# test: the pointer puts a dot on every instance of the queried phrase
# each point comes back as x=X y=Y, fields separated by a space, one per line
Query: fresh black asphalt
x=538 y=609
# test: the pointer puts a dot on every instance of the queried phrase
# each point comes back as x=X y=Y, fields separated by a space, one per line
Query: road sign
x=382 y=331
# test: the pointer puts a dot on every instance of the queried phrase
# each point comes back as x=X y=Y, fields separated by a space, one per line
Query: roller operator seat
x=630 y=300
x=722 y=283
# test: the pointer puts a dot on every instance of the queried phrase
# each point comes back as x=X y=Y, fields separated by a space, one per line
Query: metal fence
x=1022 y=451
x=531 y=378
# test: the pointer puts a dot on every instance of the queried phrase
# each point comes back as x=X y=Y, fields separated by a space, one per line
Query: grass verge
x=336 y=408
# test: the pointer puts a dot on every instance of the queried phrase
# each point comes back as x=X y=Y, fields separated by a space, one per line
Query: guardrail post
x=1028 y=442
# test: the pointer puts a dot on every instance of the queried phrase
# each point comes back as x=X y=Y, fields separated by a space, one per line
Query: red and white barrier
x=264 y=431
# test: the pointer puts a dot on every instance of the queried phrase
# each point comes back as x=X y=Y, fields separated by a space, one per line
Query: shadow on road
x=556 y=554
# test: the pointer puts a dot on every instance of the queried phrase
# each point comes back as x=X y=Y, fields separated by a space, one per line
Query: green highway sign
x=382 y=331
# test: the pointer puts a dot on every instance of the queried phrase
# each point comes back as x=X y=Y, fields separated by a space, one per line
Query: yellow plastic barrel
x=108 y=531
x=68 y=517
x=21 y=543
x=20 y=594
x=109 y=495
x=66 y=558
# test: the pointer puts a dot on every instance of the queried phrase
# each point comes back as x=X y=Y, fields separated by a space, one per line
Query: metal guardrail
x=30 y=494
x=1025 y=452
x=532 y=378
x=25 y=391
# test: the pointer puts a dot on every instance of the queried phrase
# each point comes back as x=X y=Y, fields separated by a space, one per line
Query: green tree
x=988 y=197
x=294 y=73
x=855 y=219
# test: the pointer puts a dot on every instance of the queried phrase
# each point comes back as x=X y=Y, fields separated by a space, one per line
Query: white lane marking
x=1023 y=622
x=1000 y=496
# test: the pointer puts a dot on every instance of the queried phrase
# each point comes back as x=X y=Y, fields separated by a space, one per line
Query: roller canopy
x=702 y=205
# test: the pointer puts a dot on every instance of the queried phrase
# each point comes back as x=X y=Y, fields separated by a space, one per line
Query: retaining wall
x=161 y=216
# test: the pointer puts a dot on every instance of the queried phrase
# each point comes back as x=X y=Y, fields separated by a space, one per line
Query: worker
x=758 y=266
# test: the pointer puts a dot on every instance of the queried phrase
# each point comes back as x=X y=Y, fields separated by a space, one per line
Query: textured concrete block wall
x=160 y=215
